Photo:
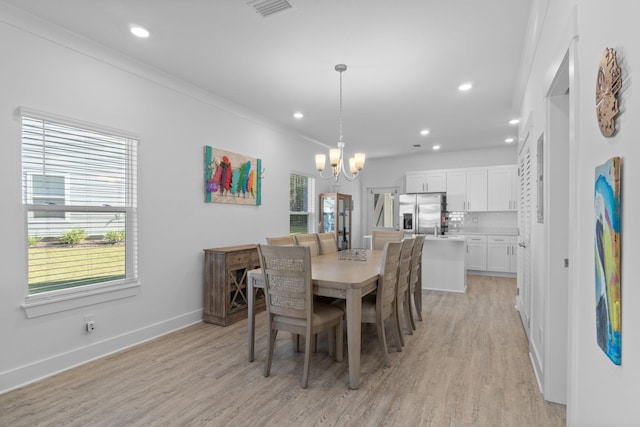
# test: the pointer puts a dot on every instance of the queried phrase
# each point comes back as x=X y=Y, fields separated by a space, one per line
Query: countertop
x=445 y=238
x=485 y=231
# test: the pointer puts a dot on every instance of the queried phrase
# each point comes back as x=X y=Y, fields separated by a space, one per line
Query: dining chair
x=402 y=297
x=378 y=307
x=281 y=241
x=380 y=237
x=327 y=243
x=415 y=282
x=310 y=240
x=290 y=305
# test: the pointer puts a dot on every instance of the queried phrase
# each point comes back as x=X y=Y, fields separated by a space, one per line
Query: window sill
x=50 y=303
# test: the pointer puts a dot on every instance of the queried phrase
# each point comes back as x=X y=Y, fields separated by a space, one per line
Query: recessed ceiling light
x=514 y=121
x=298 y=115
x=465 y=86
x=424 y=132
x=141 y=32
x=436 y=147
x=509 y=140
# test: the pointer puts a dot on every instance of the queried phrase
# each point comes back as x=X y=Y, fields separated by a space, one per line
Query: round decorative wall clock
x=607 y=87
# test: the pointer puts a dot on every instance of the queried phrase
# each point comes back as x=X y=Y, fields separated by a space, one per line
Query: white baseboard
x=23 y=375
x=492 y=274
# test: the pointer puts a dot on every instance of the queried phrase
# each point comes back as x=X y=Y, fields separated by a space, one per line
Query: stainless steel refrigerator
x=423 y=213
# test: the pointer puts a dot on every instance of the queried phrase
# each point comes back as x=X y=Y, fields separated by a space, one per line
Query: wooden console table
x=225 y=283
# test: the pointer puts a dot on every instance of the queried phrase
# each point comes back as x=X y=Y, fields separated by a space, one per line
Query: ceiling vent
x=269 y=7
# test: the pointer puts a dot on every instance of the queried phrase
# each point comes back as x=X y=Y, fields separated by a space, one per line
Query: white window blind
x=301 y=204
x=79 y=189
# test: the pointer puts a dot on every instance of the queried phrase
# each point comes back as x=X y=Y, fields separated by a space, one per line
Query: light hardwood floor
x=466 y=365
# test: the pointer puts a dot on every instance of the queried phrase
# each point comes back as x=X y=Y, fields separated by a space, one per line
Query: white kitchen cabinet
x=467 y=190
x=513 y=255
x=426 y=182
x=456 y=191
x=502 y=189
x=477 y=253
x=477 y=190
x=499 y=253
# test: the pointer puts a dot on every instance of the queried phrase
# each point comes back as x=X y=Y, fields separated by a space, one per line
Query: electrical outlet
x=89 y=323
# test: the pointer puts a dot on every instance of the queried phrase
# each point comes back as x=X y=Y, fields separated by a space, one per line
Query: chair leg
x=411 y=314
x=331 y=335
x=417 y=298
x=339 y=342
x=406 y=308
x=382 y=340
x=395 y=328
x=296 y=342
x=271 y=343
x=396 y=316
x=307 y=360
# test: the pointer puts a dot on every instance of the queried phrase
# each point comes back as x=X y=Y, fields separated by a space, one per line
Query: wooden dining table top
x=329 y=269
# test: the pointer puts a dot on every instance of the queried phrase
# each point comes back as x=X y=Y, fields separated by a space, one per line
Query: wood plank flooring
x=466 y=365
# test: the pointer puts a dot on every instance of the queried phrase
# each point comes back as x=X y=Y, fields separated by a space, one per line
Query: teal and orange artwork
x=607 y=259
x=231 y=177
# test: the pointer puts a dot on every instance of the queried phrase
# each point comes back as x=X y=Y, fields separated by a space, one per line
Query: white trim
x=32 y=372
x=21 y=112
x=37 y=305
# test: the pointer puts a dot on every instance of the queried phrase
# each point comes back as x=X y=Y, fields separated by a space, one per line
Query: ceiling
x=405 y=59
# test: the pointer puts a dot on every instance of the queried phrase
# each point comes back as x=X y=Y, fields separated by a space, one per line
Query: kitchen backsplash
x=477 y=221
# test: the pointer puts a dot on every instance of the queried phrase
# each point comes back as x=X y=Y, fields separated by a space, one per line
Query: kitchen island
x=444 y=263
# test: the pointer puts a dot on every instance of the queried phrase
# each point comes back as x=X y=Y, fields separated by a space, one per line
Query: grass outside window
x=76 y=265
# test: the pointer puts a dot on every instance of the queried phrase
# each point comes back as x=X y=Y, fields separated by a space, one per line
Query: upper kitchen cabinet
x=503 y=189
x=467 y=190
x=426 y=182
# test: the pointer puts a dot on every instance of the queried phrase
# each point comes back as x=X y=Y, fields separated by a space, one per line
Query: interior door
x=523 y=297
x=382 y=209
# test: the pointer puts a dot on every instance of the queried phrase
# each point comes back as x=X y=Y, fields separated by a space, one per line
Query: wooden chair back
x=388 y=280
x=416 y=262
x=380 y=237
x=287 y=280
x=405 y=265
x=309 y=240
x=327 y=243
x=281 y=241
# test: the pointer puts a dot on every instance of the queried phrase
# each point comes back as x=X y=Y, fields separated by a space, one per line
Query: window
x=48 y=190
x=301 y=204
x=79 y=189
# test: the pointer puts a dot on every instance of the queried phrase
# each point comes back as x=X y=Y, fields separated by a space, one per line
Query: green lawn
x=75 y=266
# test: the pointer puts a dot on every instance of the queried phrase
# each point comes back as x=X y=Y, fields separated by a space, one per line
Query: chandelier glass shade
x=336 y=155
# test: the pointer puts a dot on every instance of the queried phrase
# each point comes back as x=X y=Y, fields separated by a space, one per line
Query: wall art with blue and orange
x=231 y=177
x=607 y=205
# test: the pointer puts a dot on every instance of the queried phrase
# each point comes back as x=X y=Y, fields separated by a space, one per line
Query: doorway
x=556 y=235
x=382 y=209
x=525 y=174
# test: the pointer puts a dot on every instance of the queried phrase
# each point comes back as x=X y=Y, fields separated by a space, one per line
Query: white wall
x=72 y=78
x=599 y=393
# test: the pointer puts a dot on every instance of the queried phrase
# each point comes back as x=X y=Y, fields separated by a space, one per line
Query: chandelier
x=336 y=155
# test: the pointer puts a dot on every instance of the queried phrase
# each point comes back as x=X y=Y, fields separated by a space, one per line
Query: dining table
x=348 y=276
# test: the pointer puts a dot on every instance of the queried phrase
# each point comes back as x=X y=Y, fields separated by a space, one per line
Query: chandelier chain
x=340 y=121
